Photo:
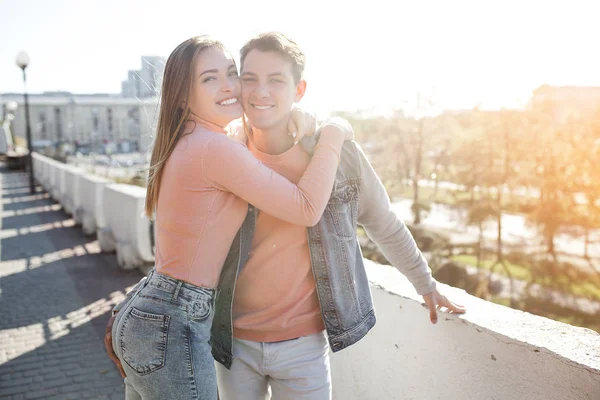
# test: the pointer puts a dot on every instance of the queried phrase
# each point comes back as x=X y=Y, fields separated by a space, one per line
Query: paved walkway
x=56 y=292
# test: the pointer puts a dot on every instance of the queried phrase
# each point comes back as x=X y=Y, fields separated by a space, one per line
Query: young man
x=292 y=284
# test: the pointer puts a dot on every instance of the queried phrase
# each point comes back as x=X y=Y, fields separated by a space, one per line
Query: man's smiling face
x=269 y=89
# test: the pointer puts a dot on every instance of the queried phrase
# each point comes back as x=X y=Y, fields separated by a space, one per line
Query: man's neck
x=272 y=141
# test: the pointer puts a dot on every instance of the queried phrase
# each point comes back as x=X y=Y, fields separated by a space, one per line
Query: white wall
x=124 y=212
x=71 y=195
x=38 y=167
x=492 y=352
x=91 y=212
x=113 y=212
x=53 y=175
x=58 y=180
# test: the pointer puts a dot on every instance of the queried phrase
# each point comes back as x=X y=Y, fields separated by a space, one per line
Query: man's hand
x=436 y=301
x=109 y=347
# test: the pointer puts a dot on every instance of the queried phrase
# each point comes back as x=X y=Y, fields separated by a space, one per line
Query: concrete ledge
x=71 y=199
x=124 y=211
x=44 y=168
x=38 y=166
x=55 y=174
x=91 y=212
x=45 y=182
x=492 y=352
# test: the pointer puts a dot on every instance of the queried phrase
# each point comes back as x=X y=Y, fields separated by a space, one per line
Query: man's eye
x=276 y=81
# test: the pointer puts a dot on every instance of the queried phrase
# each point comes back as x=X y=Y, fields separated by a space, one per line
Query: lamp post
x=22 y=62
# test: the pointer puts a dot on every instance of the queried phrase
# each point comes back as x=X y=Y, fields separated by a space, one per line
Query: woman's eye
x=209 y=78
x=233 y=73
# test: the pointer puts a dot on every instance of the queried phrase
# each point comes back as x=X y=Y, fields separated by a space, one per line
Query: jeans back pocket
x=143 y=340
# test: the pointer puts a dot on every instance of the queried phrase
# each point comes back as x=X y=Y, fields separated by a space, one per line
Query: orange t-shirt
x=276 y=296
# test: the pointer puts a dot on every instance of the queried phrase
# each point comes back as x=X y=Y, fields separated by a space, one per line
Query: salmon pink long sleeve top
x=207 y=183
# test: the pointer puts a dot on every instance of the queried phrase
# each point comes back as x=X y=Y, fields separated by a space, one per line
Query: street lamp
x=22 y=62
x=12 y=106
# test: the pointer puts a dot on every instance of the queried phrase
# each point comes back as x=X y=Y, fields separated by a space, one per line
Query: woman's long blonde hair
x=174 y=109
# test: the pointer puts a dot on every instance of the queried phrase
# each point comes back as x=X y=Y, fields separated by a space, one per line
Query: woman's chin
x=224 y=115
x=236 y=112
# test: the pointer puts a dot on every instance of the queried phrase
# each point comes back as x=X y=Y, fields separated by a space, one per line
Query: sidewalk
x=56 y=292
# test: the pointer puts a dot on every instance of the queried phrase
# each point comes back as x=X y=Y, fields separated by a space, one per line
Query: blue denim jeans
x=162 y=339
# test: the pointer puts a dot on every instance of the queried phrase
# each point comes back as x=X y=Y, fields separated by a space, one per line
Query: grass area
x=517 y=271
x=514 y=203
x=587 y=289
x=574 y=320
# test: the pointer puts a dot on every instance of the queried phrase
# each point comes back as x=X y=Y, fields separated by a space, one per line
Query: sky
x=375 y=55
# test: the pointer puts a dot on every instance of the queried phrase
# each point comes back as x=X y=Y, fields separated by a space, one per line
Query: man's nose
x=261 y=92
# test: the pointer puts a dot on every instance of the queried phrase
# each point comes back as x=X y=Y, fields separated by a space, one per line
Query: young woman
x=200 y=185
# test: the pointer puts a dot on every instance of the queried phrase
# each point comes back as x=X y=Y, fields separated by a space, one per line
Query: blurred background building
x=145 y=82
x=122 y=122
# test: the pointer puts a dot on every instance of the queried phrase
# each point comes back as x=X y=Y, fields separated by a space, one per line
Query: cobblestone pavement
x=56 y=292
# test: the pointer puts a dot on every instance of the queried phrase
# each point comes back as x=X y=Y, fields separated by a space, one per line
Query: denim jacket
x=358 y=197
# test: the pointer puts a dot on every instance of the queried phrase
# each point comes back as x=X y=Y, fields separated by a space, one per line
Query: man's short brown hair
x=278 y=43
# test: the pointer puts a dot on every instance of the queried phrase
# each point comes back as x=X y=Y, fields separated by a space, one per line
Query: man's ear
x=300 y=90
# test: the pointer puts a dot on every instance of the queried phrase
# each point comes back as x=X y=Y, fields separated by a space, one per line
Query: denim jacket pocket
x=343 y=208
x=143 y=340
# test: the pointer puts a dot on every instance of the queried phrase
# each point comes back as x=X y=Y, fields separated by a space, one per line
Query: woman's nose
x=227 y=86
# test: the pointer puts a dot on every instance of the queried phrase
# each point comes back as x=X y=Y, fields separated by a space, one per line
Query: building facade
x=85 y=119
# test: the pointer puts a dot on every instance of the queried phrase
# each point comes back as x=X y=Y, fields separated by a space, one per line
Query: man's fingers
x=433 y=315
x=111 y=351
x=109 y=326
x=428 y=301
x=121 y=371
x=452 y=307
x=431 y=305
x=118 y=364
x=455 y=308
x=113 y=357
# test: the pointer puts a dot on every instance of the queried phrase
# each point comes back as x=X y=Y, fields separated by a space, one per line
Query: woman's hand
x=301 y=123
